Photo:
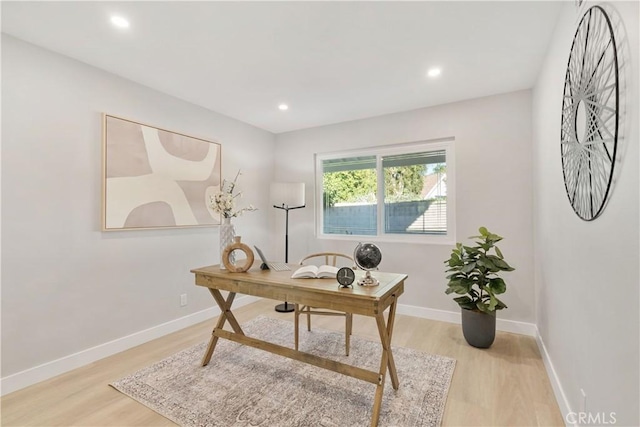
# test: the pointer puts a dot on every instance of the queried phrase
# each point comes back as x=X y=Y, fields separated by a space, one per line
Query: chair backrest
x=328 y=258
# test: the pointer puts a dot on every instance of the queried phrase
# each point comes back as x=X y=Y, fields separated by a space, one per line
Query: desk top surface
x=282 y=279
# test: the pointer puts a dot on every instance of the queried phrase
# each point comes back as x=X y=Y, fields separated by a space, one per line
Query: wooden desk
x=323 y=293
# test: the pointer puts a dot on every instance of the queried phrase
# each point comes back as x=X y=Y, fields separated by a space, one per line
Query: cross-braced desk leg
x=386 y=360
x=296 y=327
x=225 y=315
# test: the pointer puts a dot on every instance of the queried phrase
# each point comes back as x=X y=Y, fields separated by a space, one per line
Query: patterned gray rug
x=243 y=386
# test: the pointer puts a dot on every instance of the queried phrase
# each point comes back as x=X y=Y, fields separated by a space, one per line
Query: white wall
x=494 y=189
x=67 y=286
x=586 y=273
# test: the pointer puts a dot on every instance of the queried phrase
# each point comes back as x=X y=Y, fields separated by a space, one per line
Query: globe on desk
x=367 y=257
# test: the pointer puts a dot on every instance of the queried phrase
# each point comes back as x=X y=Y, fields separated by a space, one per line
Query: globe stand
x=368 y=280
x=367 y=256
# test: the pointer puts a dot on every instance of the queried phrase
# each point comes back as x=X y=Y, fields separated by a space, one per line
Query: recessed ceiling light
x=434 y=72
x=283 y=107
x=119 y=21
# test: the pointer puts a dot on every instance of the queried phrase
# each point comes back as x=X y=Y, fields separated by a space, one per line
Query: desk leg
x=225 y=309
x=392 y=365
x=385 y=331
x=296 y=323
x=225 y=314
x=348 y=331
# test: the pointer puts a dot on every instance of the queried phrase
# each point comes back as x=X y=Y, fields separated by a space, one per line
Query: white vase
x=227 y=233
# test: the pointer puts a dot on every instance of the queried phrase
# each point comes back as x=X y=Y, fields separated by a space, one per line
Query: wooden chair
x=329 y=258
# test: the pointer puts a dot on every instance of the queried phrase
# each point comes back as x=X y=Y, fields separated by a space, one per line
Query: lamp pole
x=286 y=307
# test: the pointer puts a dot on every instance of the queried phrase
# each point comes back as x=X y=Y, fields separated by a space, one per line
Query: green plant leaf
x=497 y=285
x=468 y=280
x=454 y=282
x=499 y=252
x=468 y=306
x=457 y=286
x=470 y=250
x=465 y=302
x=487 y=263
x=483 y=307
x=502 y=264
x=455 y=260
x=493 y=301
x=468 y=268
x=493 y=237
x=483 y=231
x=500 y=305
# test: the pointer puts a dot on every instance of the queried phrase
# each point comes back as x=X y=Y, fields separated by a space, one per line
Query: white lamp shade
x=289 y=194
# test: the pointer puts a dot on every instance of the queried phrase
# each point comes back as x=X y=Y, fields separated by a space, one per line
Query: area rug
x=243 y=386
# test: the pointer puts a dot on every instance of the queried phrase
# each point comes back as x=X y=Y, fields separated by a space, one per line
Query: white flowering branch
x=224 y=202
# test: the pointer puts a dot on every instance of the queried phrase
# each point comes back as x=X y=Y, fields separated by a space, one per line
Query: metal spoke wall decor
x=589 y=129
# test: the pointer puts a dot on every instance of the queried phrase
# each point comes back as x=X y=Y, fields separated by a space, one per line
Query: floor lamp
x=287 y=196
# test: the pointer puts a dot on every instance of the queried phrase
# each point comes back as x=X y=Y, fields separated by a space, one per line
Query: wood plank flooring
x=505 y=385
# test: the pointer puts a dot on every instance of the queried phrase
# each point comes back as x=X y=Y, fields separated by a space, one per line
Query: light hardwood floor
x=505 y=385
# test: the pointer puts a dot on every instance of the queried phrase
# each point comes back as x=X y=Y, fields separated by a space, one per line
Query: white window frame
x=446 y=144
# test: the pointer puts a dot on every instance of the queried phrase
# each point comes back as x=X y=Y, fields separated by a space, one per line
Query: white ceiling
x=330 y=61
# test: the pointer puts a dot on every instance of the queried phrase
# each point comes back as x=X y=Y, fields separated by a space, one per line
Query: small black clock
x=345 y=277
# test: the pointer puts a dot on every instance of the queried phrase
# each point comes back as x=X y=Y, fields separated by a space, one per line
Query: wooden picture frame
x=154 y=178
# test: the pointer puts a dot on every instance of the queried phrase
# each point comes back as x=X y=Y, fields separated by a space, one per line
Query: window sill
x=418 y=240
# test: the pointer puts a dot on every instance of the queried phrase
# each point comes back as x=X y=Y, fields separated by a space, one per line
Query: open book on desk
x=315 y=272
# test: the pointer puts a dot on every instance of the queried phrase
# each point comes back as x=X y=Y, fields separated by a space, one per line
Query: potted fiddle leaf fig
x=474 y=274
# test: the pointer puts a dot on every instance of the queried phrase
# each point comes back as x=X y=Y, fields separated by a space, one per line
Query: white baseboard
x=514 y=326
x=51 y=369
x=558 y=391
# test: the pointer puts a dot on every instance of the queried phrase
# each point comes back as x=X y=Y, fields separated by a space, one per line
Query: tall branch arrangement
x=224 y=202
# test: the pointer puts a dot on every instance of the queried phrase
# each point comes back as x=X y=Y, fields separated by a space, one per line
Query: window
x=403 y=192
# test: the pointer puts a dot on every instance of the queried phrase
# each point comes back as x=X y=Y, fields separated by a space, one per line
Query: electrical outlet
x=183 y=300
x=583 y=401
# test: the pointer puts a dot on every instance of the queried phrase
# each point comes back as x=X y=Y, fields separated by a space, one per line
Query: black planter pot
x=478 y=328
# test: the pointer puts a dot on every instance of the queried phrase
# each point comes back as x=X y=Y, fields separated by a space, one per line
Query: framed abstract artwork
x=154 y=178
